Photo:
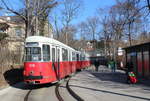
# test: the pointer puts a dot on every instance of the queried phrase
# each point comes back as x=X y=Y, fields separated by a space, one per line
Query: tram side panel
x=65 y=62
x=73 y=62
x=66 y=68
x=62 y=70
x=79 y=62
x=73 y=69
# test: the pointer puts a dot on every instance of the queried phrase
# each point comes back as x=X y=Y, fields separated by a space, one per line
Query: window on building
x=18 y=32
x=46 y=53
x=64 y=54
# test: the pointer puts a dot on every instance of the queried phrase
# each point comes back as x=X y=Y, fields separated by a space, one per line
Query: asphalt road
x=19 y=92
x=105 y=85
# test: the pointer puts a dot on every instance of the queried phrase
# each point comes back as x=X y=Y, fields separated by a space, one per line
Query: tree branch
x=44 y=9
x=11 y=10
x=148 y=4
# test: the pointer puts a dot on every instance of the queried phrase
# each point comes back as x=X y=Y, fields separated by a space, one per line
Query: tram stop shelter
x=139 y=55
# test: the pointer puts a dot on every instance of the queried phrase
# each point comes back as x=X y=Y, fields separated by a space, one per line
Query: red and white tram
x=48 y=60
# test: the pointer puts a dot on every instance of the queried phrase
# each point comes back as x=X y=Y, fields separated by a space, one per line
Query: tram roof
x=46 y=40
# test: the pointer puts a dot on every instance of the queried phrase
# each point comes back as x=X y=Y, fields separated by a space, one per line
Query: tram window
x=77 y=57
x=64 y=54
x=83 y=57
x=46 y=53
x=58 y=55
x=53 y=54
x=32 y=44
x=33 y=54
x=73 y=56
x=80 y=57
x=69 y=56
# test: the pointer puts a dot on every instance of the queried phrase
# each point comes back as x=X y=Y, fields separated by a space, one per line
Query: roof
x=139 y=45
x=46 y=40
x=12 y=19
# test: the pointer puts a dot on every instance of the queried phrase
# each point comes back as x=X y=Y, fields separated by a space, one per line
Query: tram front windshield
x=33 y=54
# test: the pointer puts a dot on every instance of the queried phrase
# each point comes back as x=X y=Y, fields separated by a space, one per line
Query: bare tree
x=71 y=30
x=143 y=37
x=132 y=16
x=120 y=21
x=148 y=4
x=93 y=26
x=106 y=34
x=90 y=29
x=125 y=18
x=34 y=9
x=82 y=29
x=69 y=13
x=56 y=28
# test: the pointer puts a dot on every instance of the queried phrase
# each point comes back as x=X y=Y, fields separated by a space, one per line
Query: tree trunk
x=27 y=19
x=36 y=26
x=105 y=47
x=130 y=41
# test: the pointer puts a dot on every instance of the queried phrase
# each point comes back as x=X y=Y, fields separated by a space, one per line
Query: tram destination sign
x=32 y=44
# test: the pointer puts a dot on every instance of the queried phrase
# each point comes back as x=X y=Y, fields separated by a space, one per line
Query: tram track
x=59 y=90
x=59 y=97
x=77 y=97
x=27 y=95
x=70 y=91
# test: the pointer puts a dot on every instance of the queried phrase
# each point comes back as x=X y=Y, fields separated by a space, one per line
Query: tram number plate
x=32 y=82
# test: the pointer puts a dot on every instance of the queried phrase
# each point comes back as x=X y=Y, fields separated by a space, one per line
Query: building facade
x=14 y=28
x=139 y=55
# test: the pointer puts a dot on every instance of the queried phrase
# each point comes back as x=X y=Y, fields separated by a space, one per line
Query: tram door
x=58 y=61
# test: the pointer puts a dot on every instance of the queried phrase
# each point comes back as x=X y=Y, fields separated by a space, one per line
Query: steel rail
x=57 y=93
x=77 y=97
x=27 y=95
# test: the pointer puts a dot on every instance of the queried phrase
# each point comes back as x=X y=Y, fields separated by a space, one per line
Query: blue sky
x=88 y=10
x=90 y=7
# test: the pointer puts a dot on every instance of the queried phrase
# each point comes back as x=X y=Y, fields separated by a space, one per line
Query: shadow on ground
x=14 y=78
x=114 y=77
x=119 y=77
x=112 y=92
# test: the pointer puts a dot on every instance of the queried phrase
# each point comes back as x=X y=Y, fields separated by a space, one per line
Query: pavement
x=105 y=85
x=90 y=85
x=19 y=92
